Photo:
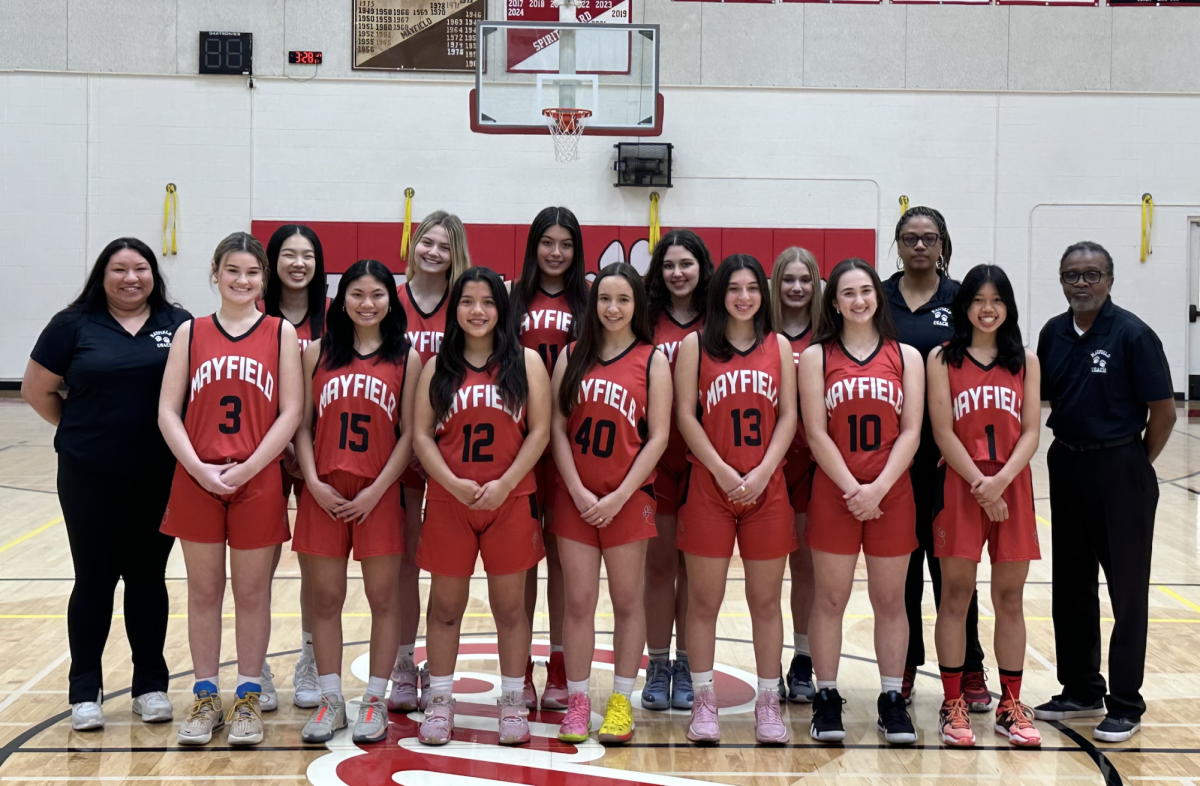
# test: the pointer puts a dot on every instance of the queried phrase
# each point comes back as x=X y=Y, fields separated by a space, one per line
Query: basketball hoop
x=566 y=126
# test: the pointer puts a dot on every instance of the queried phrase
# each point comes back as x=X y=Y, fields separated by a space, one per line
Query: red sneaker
x=1012 y=721
x=554 y=695
x=906 y=688
x=975 y=691
x=530 y=691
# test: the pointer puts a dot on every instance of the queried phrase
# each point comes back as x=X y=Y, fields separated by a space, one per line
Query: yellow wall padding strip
x=408 y=198
x=170 y=220
x=655 y=229
x=1147 y=224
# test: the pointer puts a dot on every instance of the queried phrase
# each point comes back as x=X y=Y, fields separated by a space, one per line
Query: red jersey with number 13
x=425 y=330
x=546 y=326
x=233 y=398
x=358 y=414
x=864 y=400
x=739 y=401
x=987 y=408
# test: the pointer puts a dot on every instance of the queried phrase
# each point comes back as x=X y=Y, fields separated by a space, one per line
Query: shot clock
x=304 y=57
x=226 y=53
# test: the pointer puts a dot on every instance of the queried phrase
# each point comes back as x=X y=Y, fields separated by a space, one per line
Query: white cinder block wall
x=765 y=104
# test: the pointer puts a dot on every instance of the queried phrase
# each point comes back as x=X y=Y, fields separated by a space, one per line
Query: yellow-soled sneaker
x=617 y=728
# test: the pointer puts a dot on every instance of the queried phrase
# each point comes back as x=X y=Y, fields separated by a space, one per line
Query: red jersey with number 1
x=799 y=344
x=987 y=408
x=233 y=398
x=425 y=330
x=864 y=400
x=358 y=414
x=546 y=326
x=738 y=402
x=480 y=438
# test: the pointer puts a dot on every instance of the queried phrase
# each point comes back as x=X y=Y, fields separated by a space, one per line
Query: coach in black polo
x=1113 y=408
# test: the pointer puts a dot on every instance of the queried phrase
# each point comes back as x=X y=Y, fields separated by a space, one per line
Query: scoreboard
x=416 y=35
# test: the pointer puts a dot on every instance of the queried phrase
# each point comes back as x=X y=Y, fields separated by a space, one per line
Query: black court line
x=1107 y=770
x=32 y=491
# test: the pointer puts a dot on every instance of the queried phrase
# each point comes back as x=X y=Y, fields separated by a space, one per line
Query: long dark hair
x=316 y=287
x=507 y=359
x=337 y=346
x=586 y=351
x=575 y=280
x=93 y=297
x=1011 y=349
x=935 y=216
x=830 y=328
x=656 y=288
x=715 y=343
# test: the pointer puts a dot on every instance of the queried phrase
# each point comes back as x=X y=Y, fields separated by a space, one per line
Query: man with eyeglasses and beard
x=1107 y=381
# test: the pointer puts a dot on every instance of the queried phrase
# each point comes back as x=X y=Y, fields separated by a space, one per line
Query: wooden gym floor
x=37 y=744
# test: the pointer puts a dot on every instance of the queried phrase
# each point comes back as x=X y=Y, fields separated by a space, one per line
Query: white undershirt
x=1078 y=329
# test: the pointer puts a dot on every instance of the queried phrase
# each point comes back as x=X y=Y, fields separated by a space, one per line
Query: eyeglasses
x=928 y=240
x=1073 y=276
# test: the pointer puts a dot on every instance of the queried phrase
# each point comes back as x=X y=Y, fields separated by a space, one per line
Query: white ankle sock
x=330 y=685
x=680 y=654
x=377 y=687
x=889 y=684
x=826 y=684
x=405 y=653
x=556 y=648
x=624 y=685
x=659 y=654
x=306 y=650
x=441 y=686
x=800 y=643
x=702 y=680
x=767 y=684
x=580 y=686
x=512 y=684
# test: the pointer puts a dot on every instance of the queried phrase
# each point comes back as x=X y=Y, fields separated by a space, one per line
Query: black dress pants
x=1102 y=505
x=112 y=523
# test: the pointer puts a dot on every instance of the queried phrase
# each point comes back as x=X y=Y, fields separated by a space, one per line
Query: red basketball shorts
x=798 y=472
x=961 y=527
x=412 y=477
x=253 y=517
x=291 y=484
x=380 y=534
x=833 y=528
x=668 y=480
x=453 y=535
x=545 y=473
x=709 y=523
x=634 y=522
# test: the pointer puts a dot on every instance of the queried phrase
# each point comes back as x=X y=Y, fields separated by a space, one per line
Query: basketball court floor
x=37 y=744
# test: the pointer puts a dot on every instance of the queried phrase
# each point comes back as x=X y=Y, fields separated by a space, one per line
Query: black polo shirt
x=110 y=415
x=1098 y=384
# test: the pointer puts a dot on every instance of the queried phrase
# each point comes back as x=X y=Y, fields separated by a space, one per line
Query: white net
x=566 y=126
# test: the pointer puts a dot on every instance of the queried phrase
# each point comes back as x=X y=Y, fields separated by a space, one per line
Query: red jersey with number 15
x=233 y=399
x=358 y=414
x=546 y=326
x=864 y=400
x=425 y=330
x=738 y=402
x=987 y=408
x=479 y=437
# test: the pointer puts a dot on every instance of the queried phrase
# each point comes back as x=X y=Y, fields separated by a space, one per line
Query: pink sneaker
x=530 y=691
x=514 y=720
x=704 y=727
x=438 y=725
x=423 y=675
x=769 y=728
x=554 y=695
x=403 y=697
x=578 y=724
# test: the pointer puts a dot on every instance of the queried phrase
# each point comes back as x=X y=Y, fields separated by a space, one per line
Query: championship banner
x=536 y=51
x=416 y=35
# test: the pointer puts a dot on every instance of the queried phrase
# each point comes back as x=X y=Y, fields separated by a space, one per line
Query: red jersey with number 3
x=425 y=330
x=799 y=344
x=738 y=402
x=987 y=408
x=668 y=336
x=608 y=426
x=358 y=414
x=233 y=399
x=546 y=326
x=864 y=400
x=480 y=438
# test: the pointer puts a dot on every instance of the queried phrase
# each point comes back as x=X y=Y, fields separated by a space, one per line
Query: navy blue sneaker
x=1063 y=708
x=1116 y=729
x=799 y=680
x=681 y=685
x=656 y=695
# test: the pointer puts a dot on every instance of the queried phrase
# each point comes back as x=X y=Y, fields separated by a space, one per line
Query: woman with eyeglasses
x=919 y=297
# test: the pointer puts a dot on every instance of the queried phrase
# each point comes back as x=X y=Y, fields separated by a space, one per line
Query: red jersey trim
x=417 y=307
x=248 y=333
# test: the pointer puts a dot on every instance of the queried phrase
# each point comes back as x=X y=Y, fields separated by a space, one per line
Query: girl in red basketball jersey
x=862 y=394
x=677 y=289
x=483 y=419
x=550 y=292
x=612 y=397
x=353 y=442
x=437 y=256
x=735 y=401
x=795 y=286
x=985 y=405
x=237 y=372
x=296 y=292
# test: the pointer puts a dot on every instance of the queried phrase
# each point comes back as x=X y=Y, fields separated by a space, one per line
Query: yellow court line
x=1173 y=594
x=31 y=534
x=1043 y=520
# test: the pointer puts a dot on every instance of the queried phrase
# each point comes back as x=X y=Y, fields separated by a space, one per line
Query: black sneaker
x=1116 y=729
x=799 y=680
x=1063 y=708
x=893 y=721
x=827 y=716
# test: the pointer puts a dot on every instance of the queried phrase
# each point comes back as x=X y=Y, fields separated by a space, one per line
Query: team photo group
x=635 y=431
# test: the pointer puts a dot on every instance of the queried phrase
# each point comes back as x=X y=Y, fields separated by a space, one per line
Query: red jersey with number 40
x=987 y=408
x=607 y=426
x=358 y=415
x=739 y=401
x=864 y=400
x=234 y=399
x=425 y=330
x=546 y=325
x=479 y=438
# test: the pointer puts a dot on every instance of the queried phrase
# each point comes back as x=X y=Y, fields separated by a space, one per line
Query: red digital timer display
x=304 y=57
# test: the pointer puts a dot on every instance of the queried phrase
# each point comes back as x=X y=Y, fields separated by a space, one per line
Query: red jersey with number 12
x=546 y=326
x=864 y=400
x=233 y=399
x=424 y=331
x=739 y=402
x=987 y=408
x=358 y=414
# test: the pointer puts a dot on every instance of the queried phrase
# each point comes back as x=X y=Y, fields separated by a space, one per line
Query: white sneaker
x=304 y=680
x=88 y=715
x=202 y=720
x=154 y=707
x=245 y=724
x=268 y=700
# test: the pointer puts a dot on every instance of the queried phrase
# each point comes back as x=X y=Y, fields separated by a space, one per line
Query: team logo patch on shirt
x=1100 y=360
x=162 y=338
x=941 y=317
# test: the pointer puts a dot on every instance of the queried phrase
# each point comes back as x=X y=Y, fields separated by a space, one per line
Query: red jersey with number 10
x=607 y=426
x=424 y=331
x=864 y=400
x=546 y=326
x=358 y=414
x=738 y=402
x=480 y=438
x=987 y=408
x=233 y=399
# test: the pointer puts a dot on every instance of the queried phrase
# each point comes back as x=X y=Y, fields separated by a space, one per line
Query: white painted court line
x=34 y=680
x=1040 y=658
x=890 y=775
x=152 y=778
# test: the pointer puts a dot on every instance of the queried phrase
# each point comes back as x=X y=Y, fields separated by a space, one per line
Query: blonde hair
x=787 y=257
x=242 y=241
x=456 y=233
